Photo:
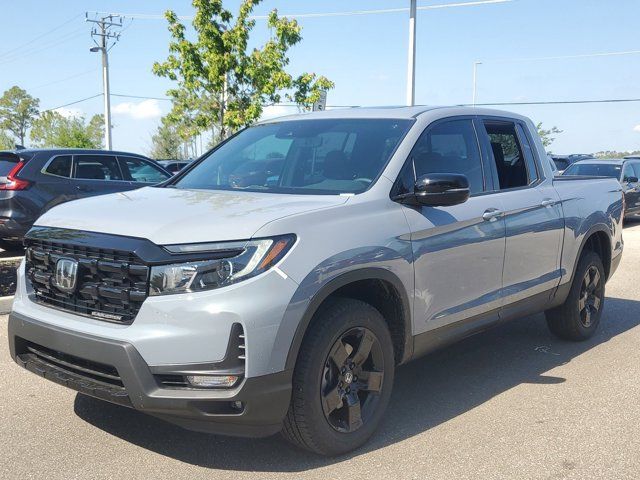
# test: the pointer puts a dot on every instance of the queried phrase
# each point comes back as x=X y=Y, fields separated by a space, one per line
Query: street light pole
x=475 y=80
x=411 y=64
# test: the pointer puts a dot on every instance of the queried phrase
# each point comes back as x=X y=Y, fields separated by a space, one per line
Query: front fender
x=367 y=263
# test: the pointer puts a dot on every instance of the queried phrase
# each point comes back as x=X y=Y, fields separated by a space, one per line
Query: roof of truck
x=398 y=112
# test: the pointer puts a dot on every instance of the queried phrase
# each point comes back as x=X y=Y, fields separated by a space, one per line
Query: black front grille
x=111 y=284
x=95 y=379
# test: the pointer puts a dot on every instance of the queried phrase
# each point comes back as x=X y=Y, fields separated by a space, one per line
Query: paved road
x=510 y=403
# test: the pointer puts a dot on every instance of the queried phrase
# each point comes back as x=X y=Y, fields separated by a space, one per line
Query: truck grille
x=111 y=285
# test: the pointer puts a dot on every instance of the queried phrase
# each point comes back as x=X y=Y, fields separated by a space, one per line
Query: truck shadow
x=427 y=393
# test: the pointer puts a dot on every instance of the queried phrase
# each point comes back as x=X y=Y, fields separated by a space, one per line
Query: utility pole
x=106 y=39
x=411 y=64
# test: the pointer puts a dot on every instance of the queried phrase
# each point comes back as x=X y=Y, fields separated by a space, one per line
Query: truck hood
x=169 y=216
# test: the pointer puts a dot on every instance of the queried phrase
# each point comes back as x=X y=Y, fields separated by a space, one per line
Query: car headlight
x=231 y=262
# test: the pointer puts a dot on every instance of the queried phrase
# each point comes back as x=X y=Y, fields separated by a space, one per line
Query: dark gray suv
x=33 y=181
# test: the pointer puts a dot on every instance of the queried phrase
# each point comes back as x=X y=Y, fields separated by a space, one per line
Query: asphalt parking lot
x=510 y=403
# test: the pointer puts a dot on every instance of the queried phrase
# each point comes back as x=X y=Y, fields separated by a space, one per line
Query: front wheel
x=579 y=316
x=342 y=380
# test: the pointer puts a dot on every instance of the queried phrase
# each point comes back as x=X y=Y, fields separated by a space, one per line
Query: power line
x=553 y=102
x=291 y=104
x=140 y=97
x=38 y=49
x=72 y=103
x=76 y=75
x=148 y=16
x=34 y=39
x=563 y=57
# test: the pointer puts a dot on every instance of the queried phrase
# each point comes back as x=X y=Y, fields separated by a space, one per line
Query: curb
x=5 y=304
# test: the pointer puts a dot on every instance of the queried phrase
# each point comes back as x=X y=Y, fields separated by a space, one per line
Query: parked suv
x=277 y=283
x=33 y=181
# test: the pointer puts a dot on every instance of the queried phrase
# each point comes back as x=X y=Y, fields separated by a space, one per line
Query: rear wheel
x=342 y=381
x=579 y=316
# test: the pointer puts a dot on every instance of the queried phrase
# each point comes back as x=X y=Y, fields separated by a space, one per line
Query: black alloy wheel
x=590 y=296
x=352 y=379
x=342 y=379
x=578 y=317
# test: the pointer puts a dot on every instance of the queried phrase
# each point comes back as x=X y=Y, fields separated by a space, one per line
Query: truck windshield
x=595 y=169
x=328 y=156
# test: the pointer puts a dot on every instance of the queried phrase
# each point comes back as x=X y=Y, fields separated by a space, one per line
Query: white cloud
x=69 y=112
x=273 y=111
x=636 y=128
x=141 y=110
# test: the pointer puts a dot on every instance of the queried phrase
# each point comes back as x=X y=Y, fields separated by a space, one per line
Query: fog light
x=212 y=381
x=237 y=405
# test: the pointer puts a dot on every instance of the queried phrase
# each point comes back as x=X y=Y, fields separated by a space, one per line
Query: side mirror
x=631 y=179
x=438 y=190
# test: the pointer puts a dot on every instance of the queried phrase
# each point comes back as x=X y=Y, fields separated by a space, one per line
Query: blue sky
x=364 y=55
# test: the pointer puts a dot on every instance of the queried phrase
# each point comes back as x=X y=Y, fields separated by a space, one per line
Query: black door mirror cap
x=631 y=179
x=437 y=190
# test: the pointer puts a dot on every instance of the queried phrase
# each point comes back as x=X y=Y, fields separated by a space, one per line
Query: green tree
x=166 y=142
x=51 y=129
x=6 y=141
x=18 y=109
x=222 y=85
x=546 y=135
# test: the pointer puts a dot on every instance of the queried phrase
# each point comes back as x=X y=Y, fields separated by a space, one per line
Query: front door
x=458 y=250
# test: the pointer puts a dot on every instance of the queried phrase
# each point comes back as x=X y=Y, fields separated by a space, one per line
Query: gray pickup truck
x=277 y=282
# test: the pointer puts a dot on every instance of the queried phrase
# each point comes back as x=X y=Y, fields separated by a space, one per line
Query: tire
x=333 y=411
x=11 y=245
x=578 y=317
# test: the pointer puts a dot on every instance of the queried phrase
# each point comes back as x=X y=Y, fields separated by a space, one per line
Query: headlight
x=231 y=262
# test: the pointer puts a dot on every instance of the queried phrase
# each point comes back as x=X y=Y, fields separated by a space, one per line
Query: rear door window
x=512 y=166
x=142 y=171
x=96 y=167
x=60 y=166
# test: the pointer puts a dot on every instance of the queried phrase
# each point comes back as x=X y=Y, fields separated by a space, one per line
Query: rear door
x=140 y=172
x=54 y=183
x=96 y=174
x=533 y=215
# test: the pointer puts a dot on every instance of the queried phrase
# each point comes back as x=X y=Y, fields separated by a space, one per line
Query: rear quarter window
x=59 y=166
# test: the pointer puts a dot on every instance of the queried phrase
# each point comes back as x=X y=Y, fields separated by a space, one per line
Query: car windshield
x=328 y=156
x=595 y=169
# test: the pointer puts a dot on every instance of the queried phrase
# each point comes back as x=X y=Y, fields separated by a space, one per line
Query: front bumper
x=265 y=399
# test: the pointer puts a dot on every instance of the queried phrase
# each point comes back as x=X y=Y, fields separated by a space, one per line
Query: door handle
x=491 y=214
x=548 y=203
x=82 y=188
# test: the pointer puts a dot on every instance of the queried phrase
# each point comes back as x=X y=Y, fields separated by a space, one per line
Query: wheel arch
x=350 y=285
x=598 y=240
